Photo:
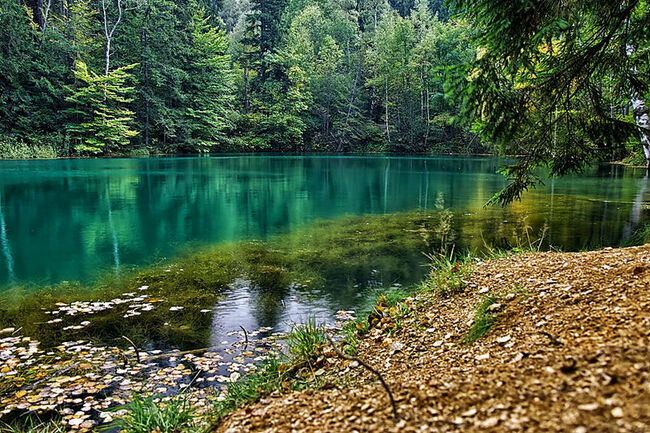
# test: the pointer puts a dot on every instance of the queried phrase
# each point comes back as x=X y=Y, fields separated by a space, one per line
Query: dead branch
x=137 y=352
x=53 y=375
x=369 y=368
x=552 y=339
x=245 y=336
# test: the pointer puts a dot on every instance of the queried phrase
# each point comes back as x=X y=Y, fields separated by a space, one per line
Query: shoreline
x=566 y=348
x=544 y=340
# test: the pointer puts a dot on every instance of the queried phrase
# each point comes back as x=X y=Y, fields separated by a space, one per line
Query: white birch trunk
x=640 y=114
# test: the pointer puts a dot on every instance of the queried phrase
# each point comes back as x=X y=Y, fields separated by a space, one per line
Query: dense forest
x=559 y=84
x=97 y=77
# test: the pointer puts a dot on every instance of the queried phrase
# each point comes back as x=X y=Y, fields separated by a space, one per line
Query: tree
x=100 y=120
x=553 y=82
x=209 y=113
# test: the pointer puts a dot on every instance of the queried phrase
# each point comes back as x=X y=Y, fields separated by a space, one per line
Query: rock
x=589 y=407
x=470 y=412
x=489 y=423
x=494 y=307
x=483 y=357
x=504 y=339
x=396 y=346
x=617 y=412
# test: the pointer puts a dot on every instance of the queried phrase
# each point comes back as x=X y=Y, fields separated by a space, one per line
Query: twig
x=245 y=336
x=165 y=355
x=58 y=373
x=551 y=338
x=137 y=352
x=369 y=368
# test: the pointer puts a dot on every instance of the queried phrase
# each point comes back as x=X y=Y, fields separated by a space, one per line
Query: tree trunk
x=246 y=89
x=641 y=118
x=640 y=113
x=386 y=102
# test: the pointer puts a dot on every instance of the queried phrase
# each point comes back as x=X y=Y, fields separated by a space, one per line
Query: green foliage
x=145 y=415
x=10 y=148
x=280 y=75
x=482 y=322
x=447 y=274
x=101 y=121
x=251 y=387
x=552 y=82
x=305 y=341
x=32 y=426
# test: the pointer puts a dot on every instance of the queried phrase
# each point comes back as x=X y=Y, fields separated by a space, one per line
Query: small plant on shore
x=268 y=378
x=447 y=274
x=32 y=426
x=524 y=241
x=351 y=332
x=483 y=320
x=145 y=415
x=305 y=340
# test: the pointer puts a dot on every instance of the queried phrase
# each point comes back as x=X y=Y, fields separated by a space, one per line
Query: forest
x=105 y=77
x=558 y=85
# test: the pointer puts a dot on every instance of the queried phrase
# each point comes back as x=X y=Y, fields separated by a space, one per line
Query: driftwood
x=137 y=352
x=370 y=369
x=245 y=336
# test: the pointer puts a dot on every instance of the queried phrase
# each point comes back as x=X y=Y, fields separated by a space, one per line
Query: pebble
x=617 y=412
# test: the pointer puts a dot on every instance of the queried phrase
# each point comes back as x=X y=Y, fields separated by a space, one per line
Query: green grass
x=305 y=342
x=145 y=415
x=32 y=426
x=483 y=320
x=269 y=377
x=448 y=274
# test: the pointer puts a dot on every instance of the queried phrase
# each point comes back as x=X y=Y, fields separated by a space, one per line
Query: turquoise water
x=70 y=220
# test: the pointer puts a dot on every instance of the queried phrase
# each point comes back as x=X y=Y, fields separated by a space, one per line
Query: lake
x=76 y=220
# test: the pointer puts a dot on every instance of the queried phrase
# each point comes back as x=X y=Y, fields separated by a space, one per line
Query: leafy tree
x=559 y=83
x=100 y=119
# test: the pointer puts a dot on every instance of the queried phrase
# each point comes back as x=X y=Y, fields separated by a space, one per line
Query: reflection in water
x=74 y=219
x=59 y=229
x=6 y=249
x=635 y=213
x=116 y=247
x=246 y=307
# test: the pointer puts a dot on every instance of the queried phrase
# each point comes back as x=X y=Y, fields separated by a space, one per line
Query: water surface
x=71 y=219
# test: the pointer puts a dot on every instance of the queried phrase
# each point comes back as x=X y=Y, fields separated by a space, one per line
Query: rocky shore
x=564 y=348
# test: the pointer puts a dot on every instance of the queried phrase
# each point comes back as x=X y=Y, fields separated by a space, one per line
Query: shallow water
x=73 y=220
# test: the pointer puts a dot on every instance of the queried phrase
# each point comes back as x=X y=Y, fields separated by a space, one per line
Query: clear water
x=70 y=220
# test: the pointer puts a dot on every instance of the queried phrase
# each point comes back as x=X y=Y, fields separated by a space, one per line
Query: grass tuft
x=145 y=415
x=483 y=320
x=448 y=273
x=32 y=426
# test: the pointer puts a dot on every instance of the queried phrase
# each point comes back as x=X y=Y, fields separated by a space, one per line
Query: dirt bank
x=568 y=351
